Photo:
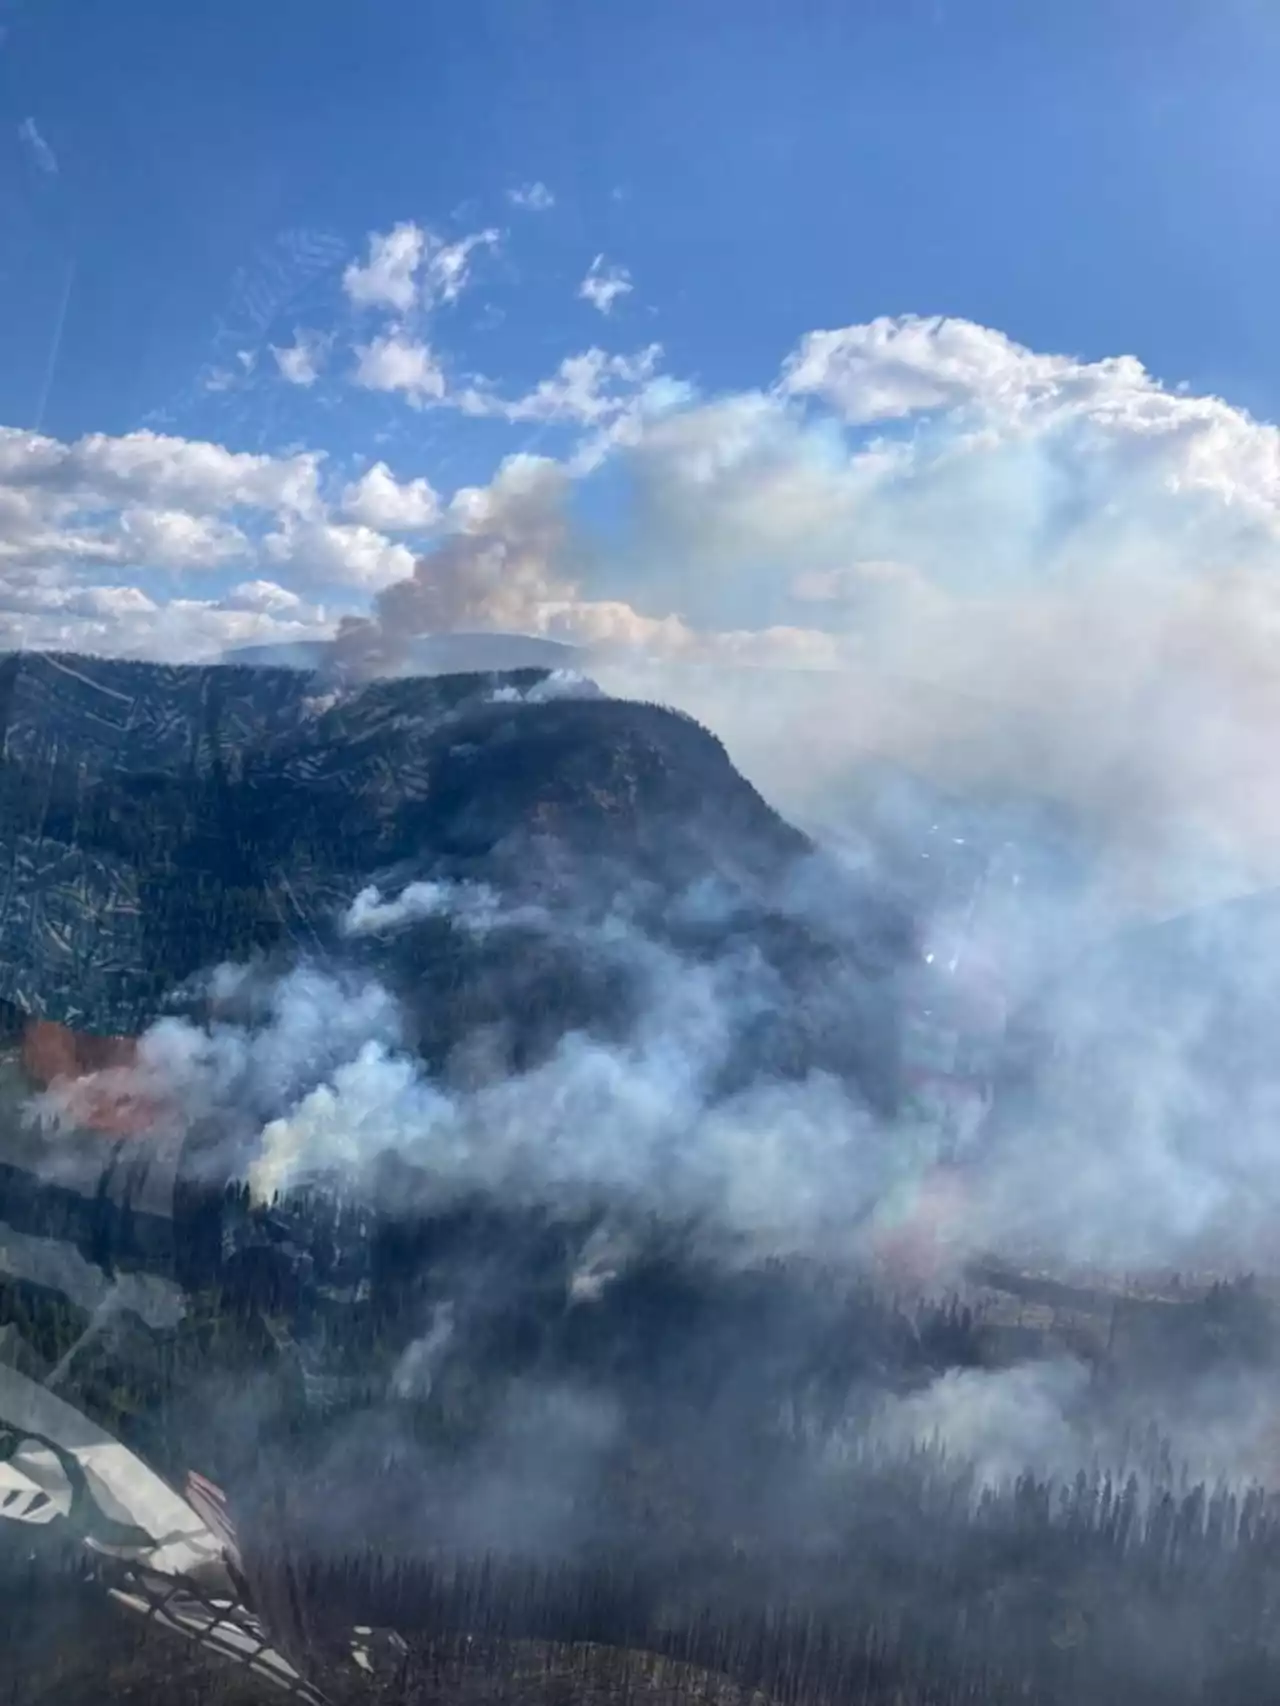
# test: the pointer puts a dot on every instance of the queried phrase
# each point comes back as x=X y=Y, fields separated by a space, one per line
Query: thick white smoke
x=1137 y=1175
x=1045 y=1418
x=634 y=1125
x=475 y=907
x=1008 y=572
x=994 y=565
x=558 y=684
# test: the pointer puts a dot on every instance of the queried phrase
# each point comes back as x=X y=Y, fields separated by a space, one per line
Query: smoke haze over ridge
x=669 y=1038
x=1011 y=575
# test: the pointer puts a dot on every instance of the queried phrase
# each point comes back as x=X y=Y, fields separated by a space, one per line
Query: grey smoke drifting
x=512 y=552
x=1135 y=1148
x=1140 y=1141
x=637 y=1124
x=1045 y=1418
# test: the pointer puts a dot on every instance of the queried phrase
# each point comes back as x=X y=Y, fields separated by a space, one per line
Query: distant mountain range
x=429 y=654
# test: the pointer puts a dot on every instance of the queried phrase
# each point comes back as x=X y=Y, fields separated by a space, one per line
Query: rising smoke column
x=507 y=561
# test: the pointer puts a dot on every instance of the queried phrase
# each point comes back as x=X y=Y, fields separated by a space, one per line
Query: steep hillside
x=158 y=821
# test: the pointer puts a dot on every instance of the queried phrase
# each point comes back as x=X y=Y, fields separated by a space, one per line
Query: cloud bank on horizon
x=1085 y=561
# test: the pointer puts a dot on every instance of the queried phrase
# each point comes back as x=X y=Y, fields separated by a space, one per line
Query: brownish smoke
x=498 y=573
x=96 y=1078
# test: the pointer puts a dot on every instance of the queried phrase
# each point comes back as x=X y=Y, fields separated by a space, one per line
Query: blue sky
x=919 y=341
x=1093 y=178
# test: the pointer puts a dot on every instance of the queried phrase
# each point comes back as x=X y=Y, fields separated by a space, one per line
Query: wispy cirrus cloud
x=533 y=198
x=37 y=148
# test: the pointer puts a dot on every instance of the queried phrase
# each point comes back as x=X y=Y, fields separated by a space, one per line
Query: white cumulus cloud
x=268 y=598
x=176 y=539
x=388 y=279
x=330 y=553
x=399 y=362
x=302 y=361
x=1079 y=562
x=889 y=368
x=589 y=389
x=377 y=499
x=604 y=284
x=410 y=266
x=153 y=468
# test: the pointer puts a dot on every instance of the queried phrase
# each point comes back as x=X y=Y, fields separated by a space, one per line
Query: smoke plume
x=510 y=556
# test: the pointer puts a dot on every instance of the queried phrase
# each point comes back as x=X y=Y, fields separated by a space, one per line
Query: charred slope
x=498 y=791
x=574 y=811
x=569 y=812
x=156 y=821
x=128 y=854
